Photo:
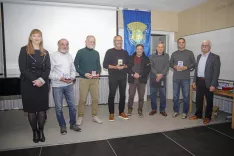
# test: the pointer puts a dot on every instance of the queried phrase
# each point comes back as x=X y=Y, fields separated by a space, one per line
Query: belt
x=201 y=78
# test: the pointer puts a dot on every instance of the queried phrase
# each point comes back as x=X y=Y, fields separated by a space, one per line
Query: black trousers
x=113 y=85
x=201 y=91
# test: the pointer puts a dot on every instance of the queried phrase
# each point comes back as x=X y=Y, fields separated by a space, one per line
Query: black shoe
x=153 y=112
x=35 y=136
x=75 y=127
x=140 y=113
x=41 y=136
x=163 y=113
x=63 y=130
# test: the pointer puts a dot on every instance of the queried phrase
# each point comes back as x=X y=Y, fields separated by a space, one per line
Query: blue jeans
x=184 y=84
x=68 y=92
x=153 y=97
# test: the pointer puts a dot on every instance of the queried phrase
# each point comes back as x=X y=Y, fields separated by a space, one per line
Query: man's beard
x=63 y=51
x=91 y=47
x=119 y=46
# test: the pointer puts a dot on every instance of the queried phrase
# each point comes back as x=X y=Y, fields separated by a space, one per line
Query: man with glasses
x=115 y=61
x=182 y=61
x=205 y=81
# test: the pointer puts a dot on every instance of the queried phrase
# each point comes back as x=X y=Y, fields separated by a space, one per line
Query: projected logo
x=137 y=32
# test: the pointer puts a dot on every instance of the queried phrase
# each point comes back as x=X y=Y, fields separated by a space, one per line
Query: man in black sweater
x=115 y=61
x=138 y=71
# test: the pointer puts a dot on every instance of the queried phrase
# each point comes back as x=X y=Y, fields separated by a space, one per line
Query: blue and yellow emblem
x=137 y=32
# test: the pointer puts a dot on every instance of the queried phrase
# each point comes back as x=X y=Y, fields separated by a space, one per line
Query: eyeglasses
x=64 y=44
x=205 y=46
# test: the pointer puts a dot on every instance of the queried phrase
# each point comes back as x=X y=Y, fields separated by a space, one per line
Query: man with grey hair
x=62 y=75
x=205 y=81
x=87 y=64
x=159 y=67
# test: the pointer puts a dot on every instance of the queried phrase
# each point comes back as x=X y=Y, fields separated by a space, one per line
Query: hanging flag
x=137 y=30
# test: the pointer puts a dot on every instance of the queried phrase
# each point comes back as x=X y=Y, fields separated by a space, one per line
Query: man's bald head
x=118 y=41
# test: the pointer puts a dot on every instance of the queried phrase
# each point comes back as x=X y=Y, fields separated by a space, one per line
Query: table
x=217 y=92
x=9 y=86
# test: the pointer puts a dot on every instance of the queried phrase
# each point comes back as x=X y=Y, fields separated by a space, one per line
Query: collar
x=88 y=49
x=62 y=52
x=157 y=53
x=143 y=54
x=137 y=56
x=206 y=55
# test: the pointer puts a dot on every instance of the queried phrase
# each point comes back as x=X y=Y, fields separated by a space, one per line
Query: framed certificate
x=66 y=76
x=120 y=62
x=180 y=64
x=94 y=73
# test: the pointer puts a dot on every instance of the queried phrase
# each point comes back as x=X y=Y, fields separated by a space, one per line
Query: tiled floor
x=15 y=132
x=146 y=145
x=203 y=141
x=197 y=141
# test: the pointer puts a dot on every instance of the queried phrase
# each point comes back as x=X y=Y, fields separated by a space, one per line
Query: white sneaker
x=184 y=116
x=175 y=115
x=79 y=121
x=97 y=120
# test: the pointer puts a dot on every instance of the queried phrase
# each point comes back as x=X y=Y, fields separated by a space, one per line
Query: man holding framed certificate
x=116 y=60
x=87 y=63
x=182 y=61
x=62 y=74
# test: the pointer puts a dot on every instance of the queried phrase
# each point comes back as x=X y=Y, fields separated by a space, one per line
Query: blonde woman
x=34 y=65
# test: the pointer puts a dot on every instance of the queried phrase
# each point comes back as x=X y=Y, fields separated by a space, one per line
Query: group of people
x=39 y=70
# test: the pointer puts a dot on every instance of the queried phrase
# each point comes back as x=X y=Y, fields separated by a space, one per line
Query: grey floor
x=15 y=132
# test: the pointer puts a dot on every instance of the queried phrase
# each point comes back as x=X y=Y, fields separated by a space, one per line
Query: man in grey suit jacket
x=205 y=81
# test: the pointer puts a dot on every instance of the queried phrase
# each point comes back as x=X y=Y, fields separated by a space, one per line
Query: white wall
x=222 y=44
x=56 y=21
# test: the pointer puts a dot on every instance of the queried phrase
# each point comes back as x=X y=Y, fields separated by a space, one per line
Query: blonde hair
x=30 y=48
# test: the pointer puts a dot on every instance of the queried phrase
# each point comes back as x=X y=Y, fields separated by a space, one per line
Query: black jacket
x=33 y=66
x=144 y=72
x=212 y=70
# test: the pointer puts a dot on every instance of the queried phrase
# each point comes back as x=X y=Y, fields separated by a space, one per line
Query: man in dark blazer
x=205 y=81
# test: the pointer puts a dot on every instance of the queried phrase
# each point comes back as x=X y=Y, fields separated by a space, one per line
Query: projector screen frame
x=47 y=4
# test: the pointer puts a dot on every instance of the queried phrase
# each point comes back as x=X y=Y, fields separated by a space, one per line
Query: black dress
x=32 y=67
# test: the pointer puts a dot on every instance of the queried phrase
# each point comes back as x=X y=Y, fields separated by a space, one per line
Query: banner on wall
x=137 y=30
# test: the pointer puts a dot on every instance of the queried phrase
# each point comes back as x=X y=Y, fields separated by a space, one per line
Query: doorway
x=155 y=39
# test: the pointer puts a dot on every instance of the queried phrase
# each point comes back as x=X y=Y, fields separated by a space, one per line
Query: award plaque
x=66 y=76
x=94 y=73
x=180 y=64
x=120 y=62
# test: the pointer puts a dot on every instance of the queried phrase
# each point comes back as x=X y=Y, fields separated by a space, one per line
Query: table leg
x=233 y=113
x=191 y=99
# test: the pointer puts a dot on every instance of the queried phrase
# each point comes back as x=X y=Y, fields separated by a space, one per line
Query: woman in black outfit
x=34 y=64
